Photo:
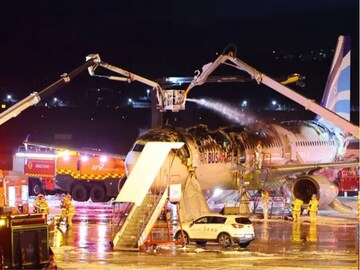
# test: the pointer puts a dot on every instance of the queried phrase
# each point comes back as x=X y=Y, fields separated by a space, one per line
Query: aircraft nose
x=130 y=161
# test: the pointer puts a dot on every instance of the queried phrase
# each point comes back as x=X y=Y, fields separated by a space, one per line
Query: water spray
x=227 y=110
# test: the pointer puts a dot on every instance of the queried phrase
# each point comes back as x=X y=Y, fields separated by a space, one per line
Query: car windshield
x=243 y=220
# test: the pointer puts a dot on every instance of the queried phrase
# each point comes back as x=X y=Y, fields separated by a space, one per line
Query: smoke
x=227 y=110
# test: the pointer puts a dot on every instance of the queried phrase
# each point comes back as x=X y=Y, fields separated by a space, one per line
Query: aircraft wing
x=306 y=168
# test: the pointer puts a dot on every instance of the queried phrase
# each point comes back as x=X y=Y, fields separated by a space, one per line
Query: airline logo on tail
x=337 y=91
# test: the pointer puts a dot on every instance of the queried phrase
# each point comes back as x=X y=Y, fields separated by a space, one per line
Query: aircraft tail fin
x=337 y=91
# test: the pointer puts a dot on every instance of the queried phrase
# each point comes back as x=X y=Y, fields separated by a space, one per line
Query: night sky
x=40 y=40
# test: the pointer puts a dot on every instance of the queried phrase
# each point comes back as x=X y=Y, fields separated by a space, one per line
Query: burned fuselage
x=220 y=157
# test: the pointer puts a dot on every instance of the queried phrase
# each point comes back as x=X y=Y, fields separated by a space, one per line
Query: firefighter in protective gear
x=258 y=156
x=41 y=205
x=313 y=207
x=265 y=199
x=296 y=209
x=67 y=210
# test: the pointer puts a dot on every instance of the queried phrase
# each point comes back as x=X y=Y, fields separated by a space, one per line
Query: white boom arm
x=16 y=109
x=35 y=97
x=166 y=98
x=309 y=104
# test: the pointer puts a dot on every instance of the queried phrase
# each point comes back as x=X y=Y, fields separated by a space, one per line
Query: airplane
x=292 y=152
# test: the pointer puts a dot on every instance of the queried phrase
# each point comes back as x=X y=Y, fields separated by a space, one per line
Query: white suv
x=224 y=229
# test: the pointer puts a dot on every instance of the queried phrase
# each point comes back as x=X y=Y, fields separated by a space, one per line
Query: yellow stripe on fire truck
x=90 y=176
x=40 y=175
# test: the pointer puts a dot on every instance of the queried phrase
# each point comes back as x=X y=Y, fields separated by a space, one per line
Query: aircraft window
x=138 y=147
x=353 y=145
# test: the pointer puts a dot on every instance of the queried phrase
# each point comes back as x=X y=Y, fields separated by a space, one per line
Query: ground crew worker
x=67 y=210
x=258 y=155
x=265 y=199
x=313 y=207
x=41 y=205
x=296 y=209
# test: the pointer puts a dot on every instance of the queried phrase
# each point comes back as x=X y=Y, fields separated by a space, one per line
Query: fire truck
x=348 y=180
x=83 y=174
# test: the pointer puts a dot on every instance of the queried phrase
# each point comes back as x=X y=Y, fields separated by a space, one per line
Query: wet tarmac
x=333 y=242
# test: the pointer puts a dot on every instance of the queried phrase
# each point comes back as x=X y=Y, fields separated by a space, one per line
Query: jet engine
x=307 y=185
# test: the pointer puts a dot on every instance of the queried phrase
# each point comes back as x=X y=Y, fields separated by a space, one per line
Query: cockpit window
x=138 y=147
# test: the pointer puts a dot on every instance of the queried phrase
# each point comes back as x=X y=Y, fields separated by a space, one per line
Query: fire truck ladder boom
x=309 y=104
x=165 y=98
x=35 y=97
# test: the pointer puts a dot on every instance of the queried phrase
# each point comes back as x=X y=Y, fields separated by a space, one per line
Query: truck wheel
x=98 y=194
x=35 y=187
x=80 y=193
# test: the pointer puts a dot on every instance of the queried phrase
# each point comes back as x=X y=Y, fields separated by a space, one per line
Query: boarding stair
x=140 y=201
x=134 y=223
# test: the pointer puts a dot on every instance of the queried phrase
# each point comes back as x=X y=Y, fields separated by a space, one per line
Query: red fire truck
x=82 y=174
x=348 y=179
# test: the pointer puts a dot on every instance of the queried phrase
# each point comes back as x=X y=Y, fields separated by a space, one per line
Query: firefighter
x=41 y=205
x=67 y=210
x=258 y=155
x=265 y=199
x=296 y=209
x=313 y=208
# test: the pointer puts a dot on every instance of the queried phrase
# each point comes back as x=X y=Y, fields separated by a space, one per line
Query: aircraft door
x=287 y=148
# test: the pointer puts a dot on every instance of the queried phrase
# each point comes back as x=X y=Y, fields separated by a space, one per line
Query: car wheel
x=245 y=244
x=201 y=243
x=179 y=237
x=224 y=240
